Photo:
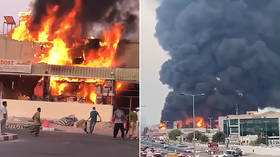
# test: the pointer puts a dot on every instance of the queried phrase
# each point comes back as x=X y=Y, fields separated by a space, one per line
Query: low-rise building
x=239 y=127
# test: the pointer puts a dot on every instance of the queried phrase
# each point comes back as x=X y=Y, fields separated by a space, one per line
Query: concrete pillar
x=46 y=88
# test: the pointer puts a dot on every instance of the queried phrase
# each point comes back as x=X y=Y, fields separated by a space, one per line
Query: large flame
x=54 y=32
x=199 y=122
x=119 y=86
x=179 y=124
x=162 y=126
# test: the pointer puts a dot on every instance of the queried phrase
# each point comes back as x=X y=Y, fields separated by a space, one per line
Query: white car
x=221 y=155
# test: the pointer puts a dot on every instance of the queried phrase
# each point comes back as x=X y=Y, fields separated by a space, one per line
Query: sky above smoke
x=227 y=49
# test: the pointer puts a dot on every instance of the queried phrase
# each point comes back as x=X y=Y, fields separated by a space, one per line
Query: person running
x=3 y=117
x=36 y=123
x=93 y=119
x=133 y=119
x=119 y=119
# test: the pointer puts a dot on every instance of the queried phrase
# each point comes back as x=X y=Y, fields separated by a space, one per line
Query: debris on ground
x=67 y=121
x=80 y=123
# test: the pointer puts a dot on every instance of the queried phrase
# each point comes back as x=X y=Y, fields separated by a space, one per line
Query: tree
x=189 y=137
x=261 y=140
x=204 y=139
x=198 y=136
x=174 y=134
x=218 y=137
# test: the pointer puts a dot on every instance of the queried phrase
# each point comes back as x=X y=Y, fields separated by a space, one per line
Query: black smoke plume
x=94 y=12
x=227 y=49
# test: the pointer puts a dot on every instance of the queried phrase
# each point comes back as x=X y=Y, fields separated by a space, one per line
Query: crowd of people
x=127 y=124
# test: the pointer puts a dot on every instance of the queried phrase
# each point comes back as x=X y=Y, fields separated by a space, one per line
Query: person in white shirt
x=119 y=119
x=3 y=117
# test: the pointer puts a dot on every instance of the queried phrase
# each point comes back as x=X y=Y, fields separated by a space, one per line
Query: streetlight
x=193 y=95
x=266 y=136
x=228 y=131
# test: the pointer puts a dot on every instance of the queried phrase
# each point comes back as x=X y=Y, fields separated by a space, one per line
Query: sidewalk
x=8 y=137
x=73 y=129
x=102 y=128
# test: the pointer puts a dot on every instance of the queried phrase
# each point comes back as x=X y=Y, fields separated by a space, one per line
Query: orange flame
x=54 y=32
x=162 y=126
x=119 y=85
x=199 y=122
x=86 y=90
x=179 y=124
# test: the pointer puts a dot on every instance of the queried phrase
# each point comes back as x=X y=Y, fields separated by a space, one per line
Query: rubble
x=67 y=121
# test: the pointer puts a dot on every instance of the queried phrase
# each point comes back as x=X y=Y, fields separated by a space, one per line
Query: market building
x=27 y=84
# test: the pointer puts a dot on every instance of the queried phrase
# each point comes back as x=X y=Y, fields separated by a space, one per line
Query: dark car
x=232 y=153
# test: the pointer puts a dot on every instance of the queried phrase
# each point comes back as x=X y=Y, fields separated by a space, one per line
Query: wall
x=261 y=150
x=17 y=50
x=56 y=110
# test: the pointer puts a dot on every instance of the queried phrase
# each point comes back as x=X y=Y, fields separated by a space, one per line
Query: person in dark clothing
x=127 y=125
x=93 y=119
x=85 y=127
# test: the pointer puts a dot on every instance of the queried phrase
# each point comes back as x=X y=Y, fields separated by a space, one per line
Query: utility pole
x=236 y=109
x=210 y=121
x=194 y=127
x=266 y=133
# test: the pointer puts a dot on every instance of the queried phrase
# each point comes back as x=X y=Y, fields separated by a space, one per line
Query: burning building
x=226 y=49
x=51 y=56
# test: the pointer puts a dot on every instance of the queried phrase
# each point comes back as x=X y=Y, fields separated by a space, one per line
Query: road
x=249 y=155
x=61 y=144
x=172 y=148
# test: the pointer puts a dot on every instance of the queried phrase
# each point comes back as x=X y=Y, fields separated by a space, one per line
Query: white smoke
x=268 y=109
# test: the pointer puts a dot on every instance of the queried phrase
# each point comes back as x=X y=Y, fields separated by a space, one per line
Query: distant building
x=175 y=125
x=239 y=127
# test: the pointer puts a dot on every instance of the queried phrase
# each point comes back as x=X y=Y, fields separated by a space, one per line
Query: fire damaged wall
x=227 y=49
x=18 y=86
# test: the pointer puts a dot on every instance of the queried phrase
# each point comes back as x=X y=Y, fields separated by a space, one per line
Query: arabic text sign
x=14 y=66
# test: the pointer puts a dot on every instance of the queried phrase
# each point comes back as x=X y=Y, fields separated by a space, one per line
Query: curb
x=48 y=129
x=8 y=137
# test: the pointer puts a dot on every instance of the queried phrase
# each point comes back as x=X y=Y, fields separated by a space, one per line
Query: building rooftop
x=253 y=114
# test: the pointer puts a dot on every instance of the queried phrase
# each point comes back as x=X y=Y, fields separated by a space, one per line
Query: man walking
x=93 y=119
x=36 y=123
x=119 y=119
x=3 y=117
x=133 y=119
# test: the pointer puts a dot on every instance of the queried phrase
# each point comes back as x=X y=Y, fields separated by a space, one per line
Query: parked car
x=143 y=154
x=231 y=153
x=238 y=150
x=220 y=155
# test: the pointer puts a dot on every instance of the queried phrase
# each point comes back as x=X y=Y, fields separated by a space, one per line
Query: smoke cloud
x=227 y=49
x=95 y=14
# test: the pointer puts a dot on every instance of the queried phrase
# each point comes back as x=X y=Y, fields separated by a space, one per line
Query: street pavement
x=62 y=144
x=172 y=148
x=249 y=155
